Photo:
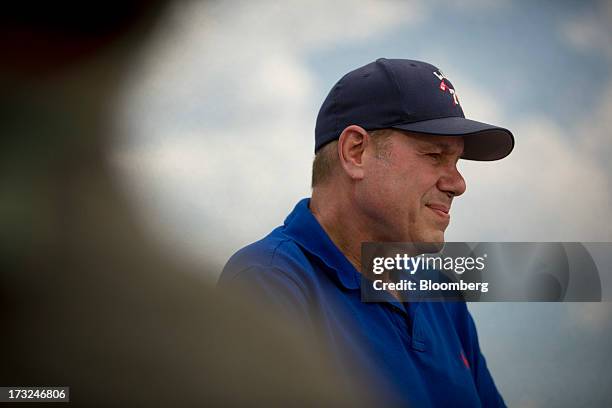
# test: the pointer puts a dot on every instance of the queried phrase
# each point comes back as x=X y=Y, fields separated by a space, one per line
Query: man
x=387 y=141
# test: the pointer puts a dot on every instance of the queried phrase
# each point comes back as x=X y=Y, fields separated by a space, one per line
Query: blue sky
x=519 y=49
x=230 y=90
x=220 y=117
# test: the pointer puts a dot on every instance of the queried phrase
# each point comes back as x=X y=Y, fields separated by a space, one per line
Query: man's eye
x=436 y=156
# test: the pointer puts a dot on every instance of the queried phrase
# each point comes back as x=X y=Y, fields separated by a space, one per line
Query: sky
x=219 y=135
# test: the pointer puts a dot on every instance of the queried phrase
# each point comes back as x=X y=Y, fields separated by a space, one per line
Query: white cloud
x=221 y=114
x=472 y=6
x=590 y=31
x=222 y=119
x=593 y=130
x=546 y=190
x=591 y=316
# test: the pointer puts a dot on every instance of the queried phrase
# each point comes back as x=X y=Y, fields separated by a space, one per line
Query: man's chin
x=432 y=243
x=429 y=247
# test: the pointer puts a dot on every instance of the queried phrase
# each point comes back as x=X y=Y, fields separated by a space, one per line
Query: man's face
x=407 y=193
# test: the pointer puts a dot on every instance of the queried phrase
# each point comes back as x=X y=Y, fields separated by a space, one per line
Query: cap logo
x=444 y=87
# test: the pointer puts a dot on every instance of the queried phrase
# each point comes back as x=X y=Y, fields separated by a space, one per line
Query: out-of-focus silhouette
x=86 y=298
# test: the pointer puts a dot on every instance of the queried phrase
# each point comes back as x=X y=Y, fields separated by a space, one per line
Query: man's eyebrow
x=425 y=144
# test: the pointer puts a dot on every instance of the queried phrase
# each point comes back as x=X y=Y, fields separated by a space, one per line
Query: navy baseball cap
x=408 y=95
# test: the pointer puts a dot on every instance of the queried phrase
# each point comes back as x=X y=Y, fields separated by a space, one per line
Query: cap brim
x=482 y=141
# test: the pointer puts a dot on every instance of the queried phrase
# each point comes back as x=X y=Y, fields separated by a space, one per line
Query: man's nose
x=452 y=182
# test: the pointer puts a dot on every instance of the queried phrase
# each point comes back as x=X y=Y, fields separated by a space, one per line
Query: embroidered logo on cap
x=444 y=86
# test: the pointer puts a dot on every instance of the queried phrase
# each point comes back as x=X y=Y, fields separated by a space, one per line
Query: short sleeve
x=270 y=288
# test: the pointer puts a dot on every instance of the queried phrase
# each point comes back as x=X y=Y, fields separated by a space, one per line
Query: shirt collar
x=305 y=230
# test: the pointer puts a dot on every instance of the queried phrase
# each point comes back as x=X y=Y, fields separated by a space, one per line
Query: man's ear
x=352 y=146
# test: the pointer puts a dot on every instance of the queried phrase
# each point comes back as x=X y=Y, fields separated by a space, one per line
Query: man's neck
x=341 y=225
x=344 y=227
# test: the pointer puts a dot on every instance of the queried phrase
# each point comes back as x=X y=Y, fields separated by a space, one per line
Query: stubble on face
x=407 y=193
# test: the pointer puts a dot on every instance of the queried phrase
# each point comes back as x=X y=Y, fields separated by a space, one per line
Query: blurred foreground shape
x=86 y=298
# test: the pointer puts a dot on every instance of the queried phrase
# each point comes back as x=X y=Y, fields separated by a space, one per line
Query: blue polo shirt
x=421 y=354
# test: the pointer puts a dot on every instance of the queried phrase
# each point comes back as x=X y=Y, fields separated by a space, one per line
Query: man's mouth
x=440 y=209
